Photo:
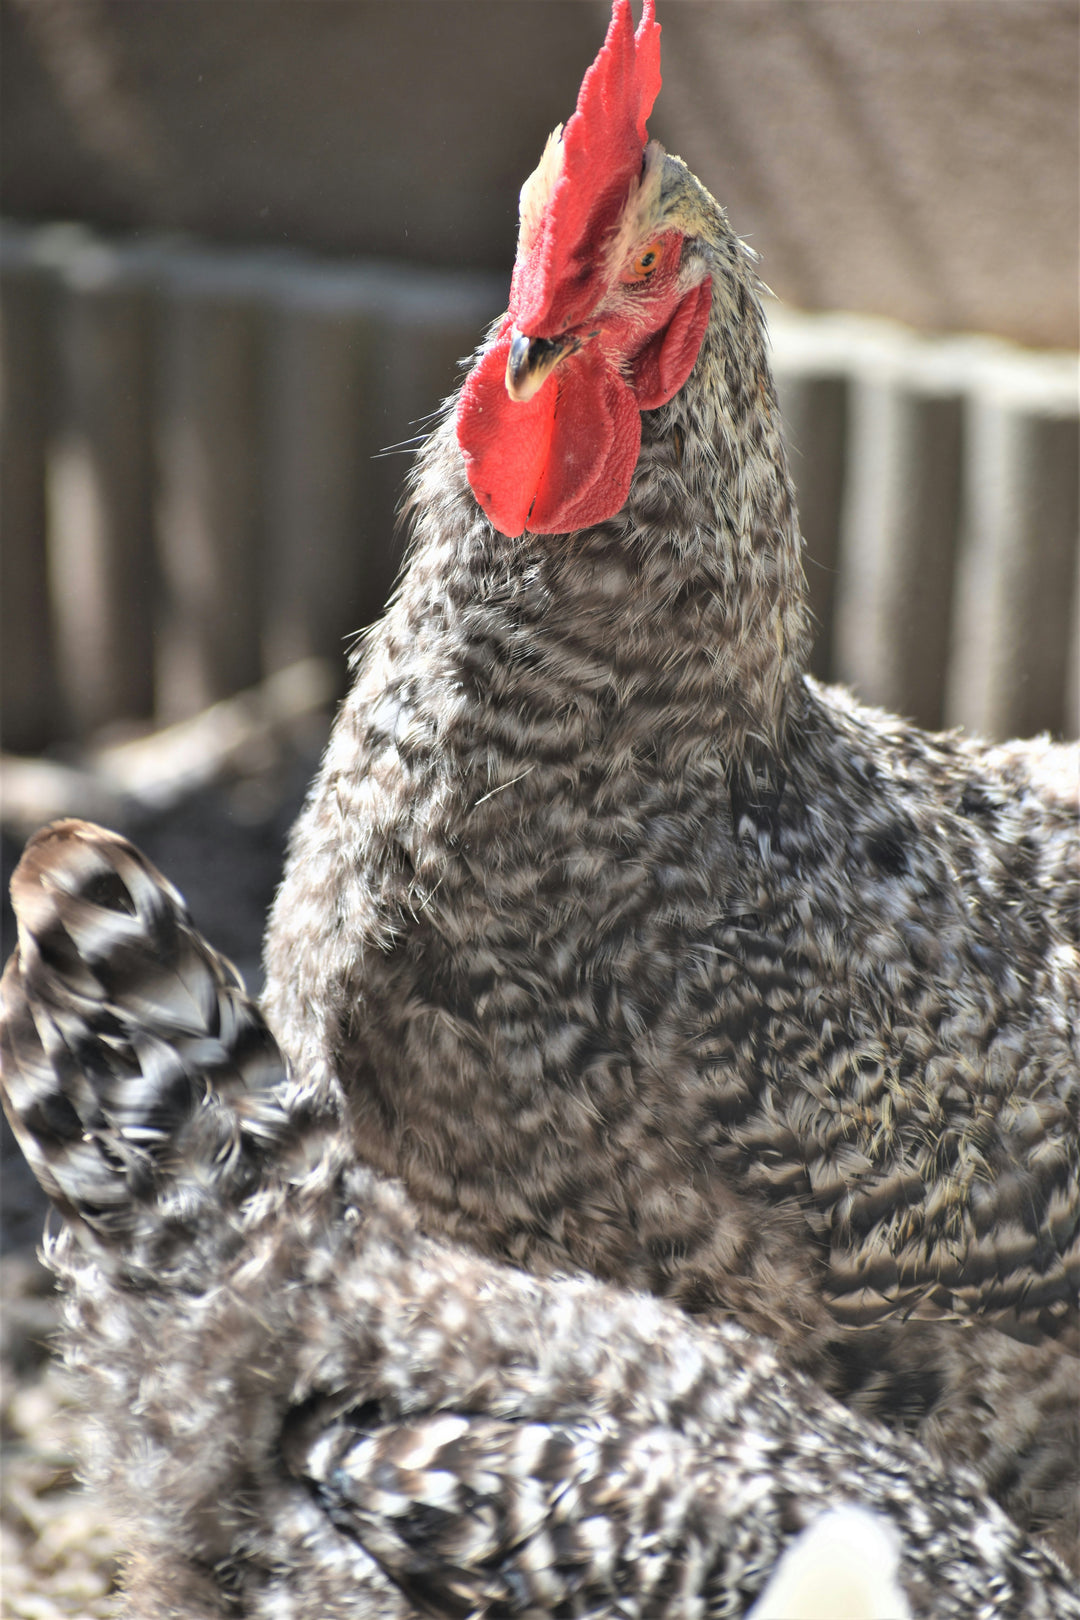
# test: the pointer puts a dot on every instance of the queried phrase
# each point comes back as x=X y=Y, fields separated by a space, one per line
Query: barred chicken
x=305 y=1408
x=632 y=949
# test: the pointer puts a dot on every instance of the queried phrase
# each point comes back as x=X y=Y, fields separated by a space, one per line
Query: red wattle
x=506 y=444
x=594 y=448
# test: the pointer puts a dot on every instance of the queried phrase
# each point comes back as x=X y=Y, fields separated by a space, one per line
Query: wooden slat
x=900 y=524
x=814 y=407
x=320 y=341
x=210 y=516
x=30 y=716
x=1010 y=668
x=432 y=321
x=98 y=486
x=1071 y=707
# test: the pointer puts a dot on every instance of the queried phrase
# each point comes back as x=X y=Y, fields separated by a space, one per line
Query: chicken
x=305 y=1408
x=628 y=946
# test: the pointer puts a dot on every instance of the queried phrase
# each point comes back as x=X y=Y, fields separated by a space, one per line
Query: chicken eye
x=644 y=263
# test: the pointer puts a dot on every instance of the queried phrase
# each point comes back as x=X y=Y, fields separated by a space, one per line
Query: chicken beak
x=531 y=362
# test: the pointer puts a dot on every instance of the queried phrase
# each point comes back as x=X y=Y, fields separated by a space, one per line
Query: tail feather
x=139 y=1078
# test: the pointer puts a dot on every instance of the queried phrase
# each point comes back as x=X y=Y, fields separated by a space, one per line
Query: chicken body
x=631 y=949
x=305 y=1408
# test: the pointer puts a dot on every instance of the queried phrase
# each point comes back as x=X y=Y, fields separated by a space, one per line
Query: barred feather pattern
x=138 y=1076
x=635 y=950
x=317 y=1412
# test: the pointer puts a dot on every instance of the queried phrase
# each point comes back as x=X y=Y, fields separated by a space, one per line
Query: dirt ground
x=59 y=1555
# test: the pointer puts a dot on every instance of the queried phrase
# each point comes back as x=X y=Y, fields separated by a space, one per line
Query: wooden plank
x=1010 y=670
x=900 y=524
x=814 y=408
x=30 y=711
x=432 y=321
x=98 y=492
x=320 y=339
x=210 y=516
x=1071 y=704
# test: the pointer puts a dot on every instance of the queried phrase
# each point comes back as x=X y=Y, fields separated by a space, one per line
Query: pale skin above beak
x=531 y=362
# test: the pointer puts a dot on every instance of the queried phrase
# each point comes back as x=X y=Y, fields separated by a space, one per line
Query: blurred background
x=250 y=242
x=246 y=244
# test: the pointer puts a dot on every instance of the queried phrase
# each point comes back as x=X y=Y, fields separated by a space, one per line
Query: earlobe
x=661 y=367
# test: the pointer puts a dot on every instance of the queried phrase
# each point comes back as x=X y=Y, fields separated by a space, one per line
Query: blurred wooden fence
x=195 y=492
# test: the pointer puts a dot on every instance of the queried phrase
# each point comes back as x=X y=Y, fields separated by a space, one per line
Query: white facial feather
x=535 y=194
x=641 y=213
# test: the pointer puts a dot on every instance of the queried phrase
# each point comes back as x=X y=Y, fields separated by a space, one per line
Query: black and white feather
x=303 y=1407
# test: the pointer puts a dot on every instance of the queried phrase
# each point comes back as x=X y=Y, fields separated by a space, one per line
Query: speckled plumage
x=306 y=1410
x=635 y=950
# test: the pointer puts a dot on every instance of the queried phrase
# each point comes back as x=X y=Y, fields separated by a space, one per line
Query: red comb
x=554 y=281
